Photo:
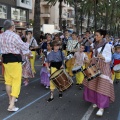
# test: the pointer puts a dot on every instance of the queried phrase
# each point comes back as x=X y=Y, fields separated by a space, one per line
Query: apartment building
x=16 y=10
x=50 y=14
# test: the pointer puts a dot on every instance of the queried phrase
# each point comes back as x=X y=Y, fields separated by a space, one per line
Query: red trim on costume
x=116 y=61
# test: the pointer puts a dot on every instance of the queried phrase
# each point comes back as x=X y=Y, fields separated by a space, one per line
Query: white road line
x=22 y=86
x=9 y=116
x=88 y=113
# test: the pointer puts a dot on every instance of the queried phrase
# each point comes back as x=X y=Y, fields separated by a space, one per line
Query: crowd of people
x=94 y=60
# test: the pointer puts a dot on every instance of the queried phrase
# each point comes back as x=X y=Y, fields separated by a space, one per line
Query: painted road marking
x=22 y=86
x=88 y=113
x=6 y=118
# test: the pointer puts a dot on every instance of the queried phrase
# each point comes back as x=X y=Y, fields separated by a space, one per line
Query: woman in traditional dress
x=100 y=90
x=26 y=67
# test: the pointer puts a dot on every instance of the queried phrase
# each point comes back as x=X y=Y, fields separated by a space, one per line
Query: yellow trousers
x=65 y=52
x=13 y=75
x=116 y=75
x=80 y=77
x=52 y=86
x=32 y=61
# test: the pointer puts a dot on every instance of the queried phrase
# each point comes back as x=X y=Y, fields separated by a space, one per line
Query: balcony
x=24 y=3
x=70 y=8
x=70 y=17
x=64 y=16
x=45 y=3
x=45 y=15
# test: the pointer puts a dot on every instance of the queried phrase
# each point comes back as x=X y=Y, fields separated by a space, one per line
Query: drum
x=91 y=72
x=116 y=68
x=69 y=56
x=76 y=69
x=61 y=80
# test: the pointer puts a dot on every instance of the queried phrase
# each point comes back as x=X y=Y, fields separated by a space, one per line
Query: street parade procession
x=62 y=63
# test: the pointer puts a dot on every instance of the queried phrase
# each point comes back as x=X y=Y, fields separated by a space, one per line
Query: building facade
x=16 y=10
x=50 y=14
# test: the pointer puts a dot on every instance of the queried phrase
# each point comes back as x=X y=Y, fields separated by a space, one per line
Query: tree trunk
x=76 y=17
x=36 y=26
x=95 y=11
x=106 y=17
x=88 y=21
x=81 y=20
x=112 y=16
x=60 y=14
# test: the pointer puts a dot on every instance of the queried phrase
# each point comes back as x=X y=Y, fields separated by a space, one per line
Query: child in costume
x=116 y=61
x=44 y=74
x=55 y=61
x=80 y=59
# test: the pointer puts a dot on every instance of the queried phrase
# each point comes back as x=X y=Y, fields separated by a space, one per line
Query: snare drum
x=61 y=80
x=116 y=68
x=69 y=56
x=91 y=72
x=76 y=69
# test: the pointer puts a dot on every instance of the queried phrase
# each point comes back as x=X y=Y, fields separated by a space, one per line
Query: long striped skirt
x=27 y=70
x=100 y=90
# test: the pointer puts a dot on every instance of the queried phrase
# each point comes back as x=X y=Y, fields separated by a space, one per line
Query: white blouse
x=107 y=54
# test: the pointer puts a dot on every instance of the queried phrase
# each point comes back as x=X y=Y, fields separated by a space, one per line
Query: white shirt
x=107 y=54
x=33 y=42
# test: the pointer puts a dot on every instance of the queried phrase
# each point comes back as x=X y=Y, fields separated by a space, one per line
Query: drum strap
x=76 y=45
x=102 y=48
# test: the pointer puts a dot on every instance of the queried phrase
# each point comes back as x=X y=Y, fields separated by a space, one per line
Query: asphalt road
x=33 y=105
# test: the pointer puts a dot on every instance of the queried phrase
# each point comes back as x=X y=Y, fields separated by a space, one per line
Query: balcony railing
x=70 y=8
x=45 y=15
x=44 y=3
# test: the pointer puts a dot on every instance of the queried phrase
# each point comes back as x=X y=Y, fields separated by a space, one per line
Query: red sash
x=116 y=61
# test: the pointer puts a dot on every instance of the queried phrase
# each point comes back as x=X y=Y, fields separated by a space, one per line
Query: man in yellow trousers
x=10 y=46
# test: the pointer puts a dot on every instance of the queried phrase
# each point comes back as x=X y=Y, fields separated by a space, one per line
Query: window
x=3 y=11
x=46 y=21
x=25 y=2
x=18 y=14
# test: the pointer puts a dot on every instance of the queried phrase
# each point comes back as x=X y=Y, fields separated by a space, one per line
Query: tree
x=53 y=2
x=36 y=26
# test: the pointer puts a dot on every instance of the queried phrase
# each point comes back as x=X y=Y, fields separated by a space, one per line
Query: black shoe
x=81 y=87
x=50 y=99
x=60 y=95
x=117 y=82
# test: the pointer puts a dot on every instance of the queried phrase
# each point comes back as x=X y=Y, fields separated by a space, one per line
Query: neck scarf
x=98 y=45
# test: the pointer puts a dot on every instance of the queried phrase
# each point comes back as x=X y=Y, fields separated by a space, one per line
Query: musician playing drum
x=72 y=47
x=80 y=59
x=116 y=61
x=87 y=41
x=99 y=90
x=55 y=61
